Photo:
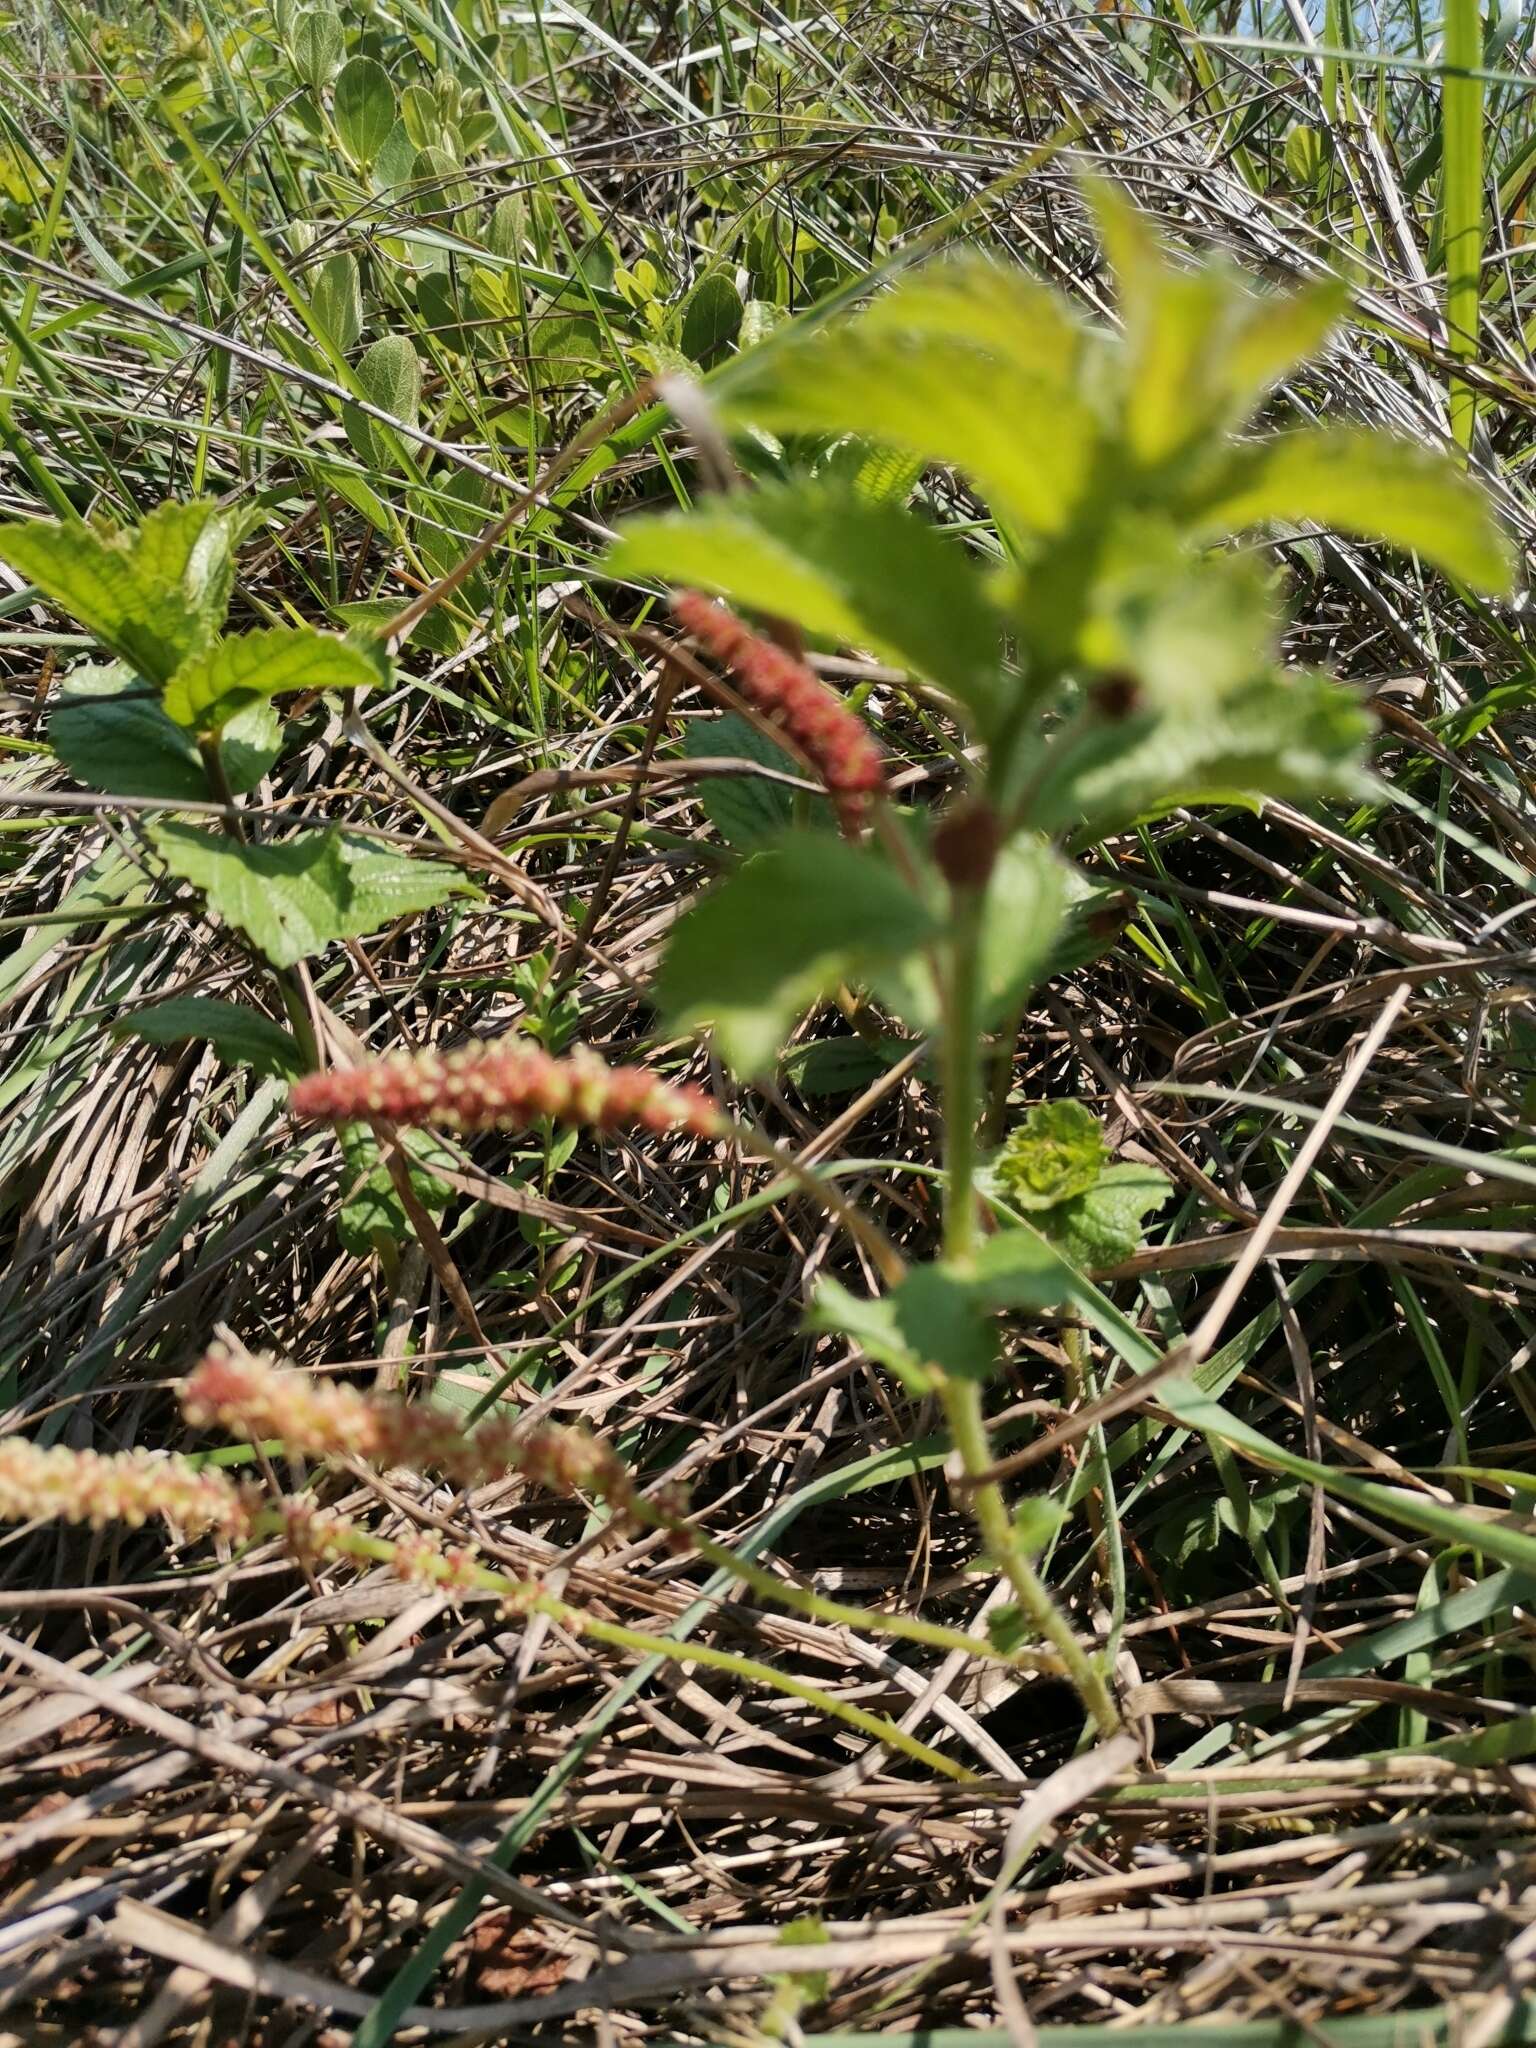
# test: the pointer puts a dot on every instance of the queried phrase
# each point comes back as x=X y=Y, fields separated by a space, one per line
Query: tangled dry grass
x=246 y=1801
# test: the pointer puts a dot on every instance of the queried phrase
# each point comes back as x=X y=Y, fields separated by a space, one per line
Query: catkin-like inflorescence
x=504 y=1086
x=327 y=1419
x=836 y=742
x=124 y=1486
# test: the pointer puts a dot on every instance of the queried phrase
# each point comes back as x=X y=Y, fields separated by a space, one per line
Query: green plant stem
x=341 y=1538
x=817 y=1607
x=968 y=1427
x=962 y=1398
x=962 y=1032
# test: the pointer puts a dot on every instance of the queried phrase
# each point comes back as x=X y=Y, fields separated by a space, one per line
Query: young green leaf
x=207 y=690
x=1362 y=483
x=989 y=306
x=364 y=109
x=291 y=900
x=1057 y=1152
x=853 y=571
x=241 y=1036
x=1028 y=441
x=151 y=594
x=788 y=926
x=336 y=299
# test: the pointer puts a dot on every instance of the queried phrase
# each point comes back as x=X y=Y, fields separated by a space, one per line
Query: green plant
x=184 y=712
x=1115 y=664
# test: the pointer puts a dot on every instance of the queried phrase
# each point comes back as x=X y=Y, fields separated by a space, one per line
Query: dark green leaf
x=746 y=810
x=291 y=900
x=790 y=924
x=242 y=1036
x=371 y=1207
x=711 y=317
x=364 y=109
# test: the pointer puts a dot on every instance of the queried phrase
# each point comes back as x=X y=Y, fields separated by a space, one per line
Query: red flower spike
x=504 y=1086
x=833 y=739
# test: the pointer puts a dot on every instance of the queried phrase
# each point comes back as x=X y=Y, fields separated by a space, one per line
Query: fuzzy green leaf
x=390 y=378
x=207 y=690
x=316 y=42
x=291 y=900
x=1057 y=1152
x=1297 y=736
x=787 y=927
x=843 y=567
x=1366 y=484
x=1028 y=441
x=711 y=317
x=241 y=1036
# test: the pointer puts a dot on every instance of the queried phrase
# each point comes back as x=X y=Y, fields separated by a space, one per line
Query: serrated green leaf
x=746 y=810
x=1029 y=442
x=364 y=109
x=873 y=1327
x=112 y=734
x=790 y=924
x=1058 y=1151
x=1300 y=735
x=209 y=688
x=242 y=1036
x=291 y=900
x=1362 y=483
x=1104 y=1225
x=853 y=571
x=991 y=306
x=336 y=300
x=150 y=594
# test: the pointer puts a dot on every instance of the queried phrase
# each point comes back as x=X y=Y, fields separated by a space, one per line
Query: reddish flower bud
x=837 y=743
x=504 y=1086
